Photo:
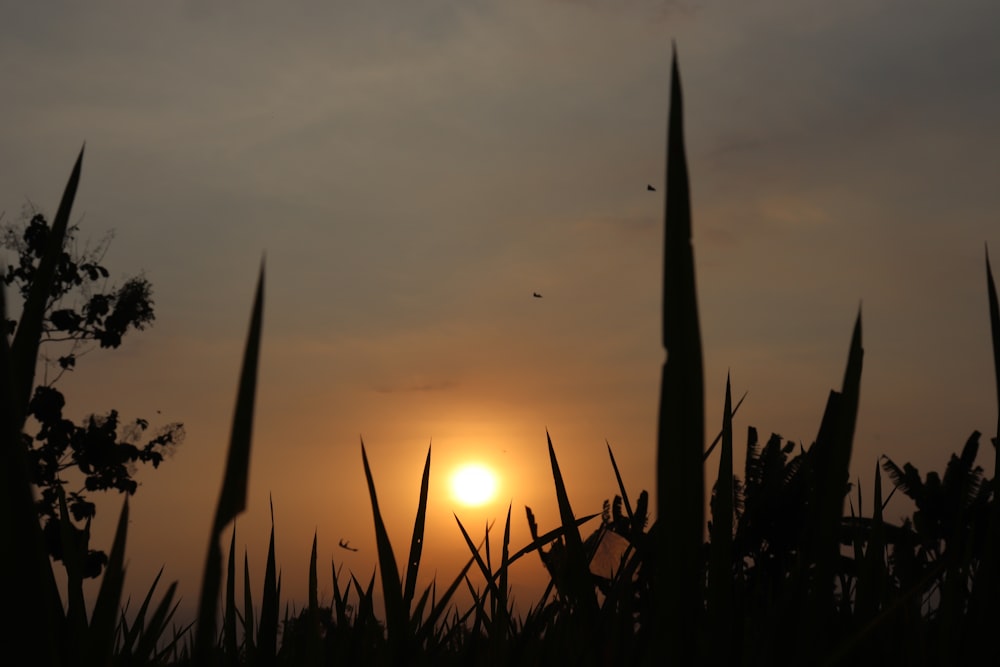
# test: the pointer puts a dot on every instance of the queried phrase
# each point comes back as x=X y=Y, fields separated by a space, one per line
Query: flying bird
x=650 y=188
x=536 y=295
x=346 y=544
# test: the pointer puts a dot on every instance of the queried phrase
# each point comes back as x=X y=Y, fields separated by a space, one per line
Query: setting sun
x=473 y=484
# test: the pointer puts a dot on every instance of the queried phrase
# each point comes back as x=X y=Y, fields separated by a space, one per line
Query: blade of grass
x=489 y=561
x=27 y=338
x=872 y=585
x=483 y=567
x=105 y=615
x=681 y=437
x=505 y=566
x=719 y=436
x=232 y=498
x=417 y=615
x=339 y=601
x=270 y=603
x=983 y=610
x=392 y=589
x=314 y=642
x=249 y=627
x=480 y=618
x=313 y=579
x=73 y=555
x=500 y=630
x=581 y=589
x=366 y=606
x=131 y=635
x=25 y=572
x=439 y=607
x=417 y=542
x=831 y=456
x=547 y=538
x=229 y=615
x=995 y=339
x=621 y=484
x=150 y=638
x=720 y=581
x=154 y=629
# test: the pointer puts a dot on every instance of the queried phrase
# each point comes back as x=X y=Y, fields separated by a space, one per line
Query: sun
x=473 y=484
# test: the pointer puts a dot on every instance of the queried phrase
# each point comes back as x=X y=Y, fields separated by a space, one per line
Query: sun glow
x=473 y=484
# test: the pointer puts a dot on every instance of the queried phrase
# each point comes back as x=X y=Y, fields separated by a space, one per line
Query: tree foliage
x=83 y=310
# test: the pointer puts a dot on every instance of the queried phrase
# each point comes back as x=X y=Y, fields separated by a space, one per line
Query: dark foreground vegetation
x=786 y=577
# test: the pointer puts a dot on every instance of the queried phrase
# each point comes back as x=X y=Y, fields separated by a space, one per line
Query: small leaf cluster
x=105 y=313
x=102 y=448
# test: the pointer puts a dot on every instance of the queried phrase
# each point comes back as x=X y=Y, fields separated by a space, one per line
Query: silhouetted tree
x=83 y=309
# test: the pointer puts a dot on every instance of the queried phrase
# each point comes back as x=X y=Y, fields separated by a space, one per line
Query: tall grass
x=680 y=475
x=785 y=577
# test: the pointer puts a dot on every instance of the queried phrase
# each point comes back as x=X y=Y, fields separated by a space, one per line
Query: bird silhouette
x=650 y=188
x=346 y=544
x=536 y=295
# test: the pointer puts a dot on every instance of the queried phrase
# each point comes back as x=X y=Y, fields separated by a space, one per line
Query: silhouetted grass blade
x=417 y=614
x=232 y=499
x=995 y=338
x=267 y=630
x=229 y=610
x=27 y=337
x=417 y=542
x=314 y=640
x=392 y=589
x=40 y=622
x=74 y=552
x=249 y=626
x=130 y=635
x=154 y=630
x=718 y=437
x=339 y=601
x=621 y=484
x=483 y=567
x=873 y=588
x=983 y=610
x=681 y=439
x=830 y=460
x=25 y=572
x=313 y=578
x=720 y=581
x=581 y=590
x=439 y=607
x=504 y=568
x=104 y=618
x=546 y=538
x=489 y=560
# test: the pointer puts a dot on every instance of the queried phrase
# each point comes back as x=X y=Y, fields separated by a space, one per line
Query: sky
x=413 y=172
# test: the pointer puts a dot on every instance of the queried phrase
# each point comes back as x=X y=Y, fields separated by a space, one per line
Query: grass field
x=798 y=568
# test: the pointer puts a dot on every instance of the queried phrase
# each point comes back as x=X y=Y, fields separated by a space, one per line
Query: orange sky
x=414 y=174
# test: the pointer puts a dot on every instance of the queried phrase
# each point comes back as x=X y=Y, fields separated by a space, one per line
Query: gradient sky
x=414 y=171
